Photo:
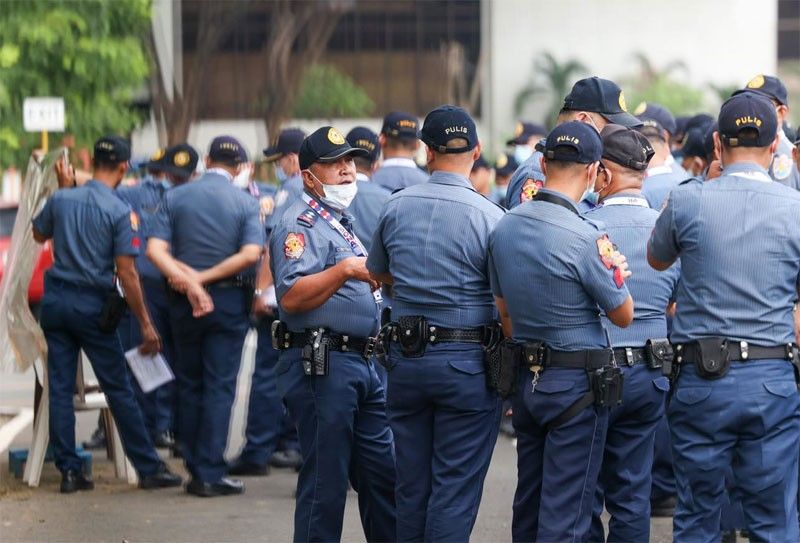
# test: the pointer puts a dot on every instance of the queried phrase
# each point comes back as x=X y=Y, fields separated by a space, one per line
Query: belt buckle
x=369 y=348
x=629 y=359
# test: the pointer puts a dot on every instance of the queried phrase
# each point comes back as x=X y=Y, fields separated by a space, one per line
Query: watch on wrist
x=258 y=292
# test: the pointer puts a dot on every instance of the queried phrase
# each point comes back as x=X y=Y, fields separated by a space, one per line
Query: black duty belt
x=630 y=356
x=590 y=359
x=738 y=351
x=234 y=282
x=336 y=342
x=437 y=334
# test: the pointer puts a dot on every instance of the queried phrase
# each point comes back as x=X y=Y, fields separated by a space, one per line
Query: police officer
x=431 y=246
x=369 y=200
x=651 y=111
x=207 y=233
x=329 y=310
x=657 y=125
x=625 y=476
x=526 y=136
x=174 y=166
x=504 y=168
x=95 y=242
x=592 y=100
x=399 y=142
x=283 y=154
x=480 y=176
x=736 y=397
x=695 y=159
x=781 y=167
x=554 y=315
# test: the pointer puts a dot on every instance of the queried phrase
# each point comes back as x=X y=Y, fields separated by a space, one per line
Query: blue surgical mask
x=522 y=153
x=280 y=174
x=591 y=196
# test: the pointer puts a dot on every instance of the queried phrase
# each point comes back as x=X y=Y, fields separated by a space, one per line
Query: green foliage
x=553 y=78
x=662 y=86
x=325 y=92
x=91 y=52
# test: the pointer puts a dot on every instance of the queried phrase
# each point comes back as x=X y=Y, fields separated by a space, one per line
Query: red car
x=8 y=214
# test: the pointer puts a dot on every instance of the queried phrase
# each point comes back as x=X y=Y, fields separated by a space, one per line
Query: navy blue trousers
x=158 y=406
x=208 y=356
x=625 y=476
x=445 y=423
x=663 y=475
x=750 y=420
x=344 y=438
x=69 y=319
x=557 y=470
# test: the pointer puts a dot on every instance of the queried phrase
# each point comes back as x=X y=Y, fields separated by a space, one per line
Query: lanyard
x=626 y=201
x=355 y=244
x=552 y=199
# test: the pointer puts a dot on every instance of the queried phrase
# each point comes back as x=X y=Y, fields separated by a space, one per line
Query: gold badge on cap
x=518 y=130
x=335 y=137
x=622 y=101
x=181 y=159
x=641 y=108
x=502 y=160
x=158 y=155
x=756 y=83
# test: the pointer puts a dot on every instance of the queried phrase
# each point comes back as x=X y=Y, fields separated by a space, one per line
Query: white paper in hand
x=151 y=371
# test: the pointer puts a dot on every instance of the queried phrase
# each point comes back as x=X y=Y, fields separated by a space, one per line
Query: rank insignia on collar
x=307 y=218
x=606 y=251
x=529 y=190
x=294 y=245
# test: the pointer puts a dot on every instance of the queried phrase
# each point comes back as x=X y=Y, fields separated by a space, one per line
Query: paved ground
x=116 y=512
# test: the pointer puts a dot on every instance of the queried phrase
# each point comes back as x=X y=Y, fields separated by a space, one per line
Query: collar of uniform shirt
x=658 y=170
x=220 y=171
x=361 y=176
x=749 y=170
x=399 y=161
x=448 y=178
x=559 y=195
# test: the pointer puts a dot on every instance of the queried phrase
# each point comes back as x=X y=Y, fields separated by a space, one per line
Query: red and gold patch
x=606 y=251
x=136 y=242
x=529 y=189
x=134 y=221
x=294 y=245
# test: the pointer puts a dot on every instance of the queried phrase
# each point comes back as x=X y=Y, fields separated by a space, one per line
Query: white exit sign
x=43 y=114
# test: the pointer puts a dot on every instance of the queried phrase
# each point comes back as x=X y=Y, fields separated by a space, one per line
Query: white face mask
x=337 y=196
x=242 y=179
x=522 y=153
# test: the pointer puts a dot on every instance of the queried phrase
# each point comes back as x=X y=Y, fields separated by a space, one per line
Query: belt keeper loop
x=345 y=339
x=629 y=357
x=432 y=337
x=744 y=348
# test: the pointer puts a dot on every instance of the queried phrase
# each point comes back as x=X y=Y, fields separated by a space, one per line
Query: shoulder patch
x=529 y=189
x=134 y=221
x=294 y=245
x=307 y=218
x=606 y=251
x=781 y=166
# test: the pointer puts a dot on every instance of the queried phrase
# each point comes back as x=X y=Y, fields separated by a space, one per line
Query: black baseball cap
x=400 y=125
x=447 y=123
x=747 y=110
x=769 y=86
x=701 y=121
x=480 y=163
x=680 y=124
x=505 y=164
x=656 y=115
x=180 y=160
x=626 y=147
x=573 y=142
x=600 y=96
x=694 y=143
x=708 y=139
x=227 y=150
x=524 y=130
x=156 y=160
x=289 y=141
x=112 y=149
x=366 y=139
x=325 y=145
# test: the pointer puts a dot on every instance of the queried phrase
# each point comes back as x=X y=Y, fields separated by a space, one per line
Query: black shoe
x=163 y=441
x=728 y=536
x=242 y=467
x=73 y=481
x=175 y=450
x=97 y=441
x=664 y=507
x=289 y=458
x=163 y=478
x=223 y=487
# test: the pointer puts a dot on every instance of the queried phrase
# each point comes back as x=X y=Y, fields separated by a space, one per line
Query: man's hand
x=151 y=342
x=261 y=308
x=65 y=173
x=621 y=263
x=266 y=207
x=199 y=299
x=356 y=268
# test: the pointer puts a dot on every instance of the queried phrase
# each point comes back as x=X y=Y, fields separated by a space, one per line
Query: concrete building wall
x=721 y=41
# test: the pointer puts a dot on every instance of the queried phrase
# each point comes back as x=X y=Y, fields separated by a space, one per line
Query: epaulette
x=307 y=218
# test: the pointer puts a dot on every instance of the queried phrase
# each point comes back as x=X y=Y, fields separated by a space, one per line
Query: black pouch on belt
x=113 y=309
x=712 y=358
x=412 y=335
x=606 y=384
x=659 y=353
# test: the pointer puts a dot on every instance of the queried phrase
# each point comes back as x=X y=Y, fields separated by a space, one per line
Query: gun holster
x=111 y=313
x=279 y=333
x=412 y=335
x=713 y=359
x=606 y=384
x=316 y=354
x=501 y=360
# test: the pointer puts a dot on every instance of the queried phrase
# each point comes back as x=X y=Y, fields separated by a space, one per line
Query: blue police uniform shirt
x=739 y=243
x=145 y=200
x=302 y=244
x=628 y=219
x=432 y=239
x=366 y=209
x=208 y=220
x=552 y=268
x=782 y=168
x=526 y=181
x=398 y=173
x=658 y=184
x=499 y=196
x=90 y=226
x=289 y=191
